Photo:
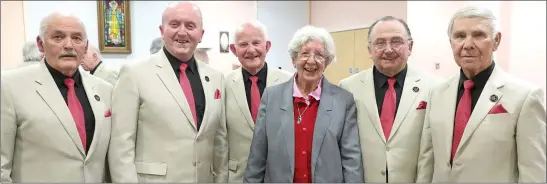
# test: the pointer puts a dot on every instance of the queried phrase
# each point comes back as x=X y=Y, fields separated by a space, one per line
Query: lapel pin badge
x=494 y=98
x=97 y=98
x=415 y=89
x=207 y=78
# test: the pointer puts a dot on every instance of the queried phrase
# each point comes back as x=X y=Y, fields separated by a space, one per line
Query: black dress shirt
x=59 y=79
x=262 y=75
x=480 y=81
x=193 y=76
x=381 y=86
x=95 y=69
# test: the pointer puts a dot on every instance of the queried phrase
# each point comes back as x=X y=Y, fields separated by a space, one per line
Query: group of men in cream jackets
x=146 y=127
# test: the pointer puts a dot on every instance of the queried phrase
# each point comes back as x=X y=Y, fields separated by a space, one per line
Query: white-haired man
x=168 y=111
x=55 y=117
x=92 y=62
x=31 y=53
x=391 y=104
x=156 y=45
x=244 y=87
x=482 y=125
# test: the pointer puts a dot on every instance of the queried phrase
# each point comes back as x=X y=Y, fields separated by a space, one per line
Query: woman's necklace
x=300 y=114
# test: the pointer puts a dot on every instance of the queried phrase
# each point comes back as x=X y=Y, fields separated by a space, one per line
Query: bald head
x=177 y=7
x=91 y=58
x=92 y=49
x=181 y=29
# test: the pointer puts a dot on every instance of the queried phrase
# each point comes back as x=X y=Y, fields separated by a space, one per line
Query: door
x=362 y=60
x=344 y=42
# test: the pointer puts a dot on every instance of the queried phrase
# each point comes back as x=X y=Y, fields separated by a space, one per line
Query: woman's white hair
x=475 y=12
x=309 y=33
x=46 y=20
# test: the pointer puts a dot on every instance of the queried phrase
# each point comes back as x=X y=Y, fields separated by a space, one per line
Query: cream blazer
x=400 y=152
x=40 y=142
x=154 y=137
x=498 y=148
x=107 y=74
x=239 y=121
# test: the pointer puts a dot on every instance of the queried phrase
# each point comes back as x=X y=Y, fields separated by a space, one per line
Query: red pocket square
x=497 y=109
x=422 y=105
x=217 y=94
x=107 y=113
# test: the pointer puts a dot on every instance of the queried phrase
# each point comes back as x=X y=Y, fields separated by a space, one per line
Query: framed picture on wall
x=114 y=26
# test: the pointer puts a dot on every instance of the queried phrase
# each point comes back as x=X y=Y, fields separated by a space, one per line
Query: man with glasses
x=390 y=104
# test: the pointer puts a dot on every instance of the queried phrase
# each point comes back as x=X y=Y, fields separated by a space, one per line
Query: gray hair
x=45 y=22
x=156 y=45
x=252 y=23
x=309 y=33
x=475 y=12
x=31 y=53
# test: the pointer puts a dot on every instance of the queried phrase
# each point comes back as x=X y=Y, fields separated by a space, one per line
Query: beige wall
x=13 y=34
x=344 y=15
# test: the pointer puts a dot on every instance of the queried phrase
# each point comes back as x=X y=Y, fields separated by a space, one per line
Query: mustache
x=70 y=53
x=390 y=55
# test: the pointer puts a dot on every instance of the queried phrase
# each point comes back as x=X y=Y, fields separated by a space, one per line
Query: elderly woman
x=306 y=129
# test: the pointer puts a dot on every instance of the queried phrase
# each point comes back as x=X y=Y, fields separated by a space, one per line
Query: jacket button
x=194 y=163
x=383 y=173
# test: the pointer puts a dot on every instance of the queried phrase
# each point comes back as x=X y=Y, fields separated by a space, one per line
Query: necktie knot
x=253 y=79
x=183 y=67
x=69 y=82
x=468 y=84
x=391 y=81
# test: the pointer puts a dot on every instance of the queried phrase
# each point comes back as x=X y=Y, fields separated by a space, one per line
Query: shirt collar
x=175 y=63
x=59 y=77
x=380 y=79
x=316 y=94
x=262 y=74
x=480 y=79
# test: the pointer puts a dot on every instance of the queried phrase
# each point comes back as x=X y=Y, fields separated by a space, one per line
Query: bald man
x=55 y=117
x=92 y=62
x=168 y=111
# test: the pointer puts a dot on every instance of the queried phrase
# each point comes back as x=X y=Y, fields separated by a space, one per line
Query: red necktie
x=255 y=97
x=187 y=89
x=76 y=110
x=462 y=116
x=388 y=108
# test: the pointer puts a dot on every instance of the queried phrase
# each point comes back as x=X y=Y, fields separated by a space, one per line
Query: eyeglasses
x=317 y=57
x=395 y=44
